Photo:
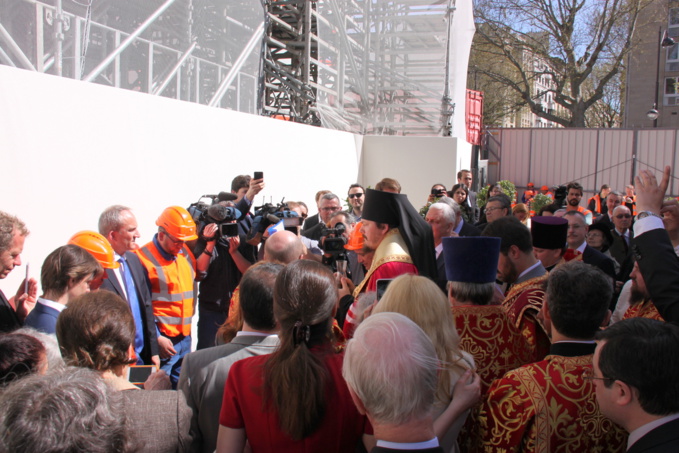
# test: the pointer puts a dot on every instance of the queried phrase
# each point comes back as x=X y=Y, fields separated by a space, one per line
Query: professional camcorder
x=269 y=214
x=225 y=217
x=560 y=196
x=332 y=240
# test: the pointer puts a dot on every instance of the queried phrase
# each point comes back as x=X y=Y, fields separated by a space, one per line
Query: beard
x=637 y=296
x=510 y=275
x=573 y=202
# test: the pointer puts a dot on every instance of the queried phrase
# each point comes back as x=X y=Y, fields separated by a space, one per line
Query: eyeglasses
x=355 y=195
x=173 y=240
x=588 y=374
x=491 y=209
x=623 y=216
x=331 y=208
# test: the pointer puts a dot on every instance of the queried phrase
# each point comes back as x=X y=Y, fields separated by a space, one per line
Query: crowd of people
x=379 y=327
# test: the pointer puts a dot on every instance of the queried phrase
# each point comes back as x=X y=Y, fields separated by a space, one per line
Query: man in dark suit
x=613 y=200
x=635 y=376
x=621 y=248
x=652 y=248
x=313 y=220
x=465 y=177
x=13 y=233
x=462 y=228
x=441 y=217
x=577 y=231
x=327 y=206
x=130 y=281
x=397 y=403
x=204 y=372
x=356 y=196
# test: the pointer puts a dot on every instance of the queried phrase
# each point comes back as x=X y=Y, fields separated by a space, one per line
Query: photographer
x=245 y=189
x=222 y=258
x=328 y=205
x=334 y=241
x=437 y=191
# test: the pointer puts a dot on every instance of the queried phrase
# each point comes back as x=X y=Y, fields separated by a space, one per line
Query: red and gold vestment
x=497 y=347
x=645 y=309
x=548 y=407
x=523 y=303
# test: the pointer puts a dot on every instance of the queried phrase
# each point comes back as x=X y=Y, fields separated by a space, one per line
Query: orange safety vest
x=597 y=200
x=633 y=208
x=586 y=212
x=581 y=210
x=172 y=289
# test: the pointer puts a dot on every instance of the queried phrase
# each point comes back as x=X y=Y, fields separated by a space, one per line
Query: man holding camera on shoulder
x=222 y=258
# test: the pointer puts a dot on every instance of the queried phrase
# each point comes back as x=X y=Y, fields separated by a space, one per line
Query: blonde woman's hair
x=422 y=301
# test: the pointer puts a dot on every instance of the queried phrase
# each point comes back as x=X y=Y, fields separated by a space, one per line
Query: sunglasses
x=356 y=195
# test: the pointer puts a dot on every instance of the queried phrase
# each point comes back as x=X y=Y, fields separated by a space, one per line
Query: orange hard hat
x=544 y=188
x=530 y=184
x=356 y=239
x=178 y=223
x=97 y=246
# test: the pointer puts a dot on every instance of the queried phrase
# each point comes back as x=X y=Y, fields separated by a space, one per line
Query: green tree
x=577 y=47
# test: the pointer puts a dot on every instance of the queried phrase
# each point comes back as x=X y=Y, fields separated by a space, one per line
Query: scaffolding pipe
x=5 y=59
x=59 y=38
x=352 y=61
x=446 y=101
x=175 y=68
x=237 y=65
x=123 y=45
x=15 y=49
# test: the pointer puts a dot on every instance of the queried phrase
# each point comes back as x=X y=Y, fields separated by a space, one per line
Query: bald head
x=284 y=247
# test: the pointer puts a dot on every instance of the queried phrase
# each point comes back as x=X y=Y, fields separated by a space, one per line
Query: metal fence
x=592 y=157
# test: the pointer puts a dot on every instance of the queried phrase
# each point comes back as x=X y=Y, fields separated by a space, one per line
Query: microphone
x=226 y=196
x=222 y=196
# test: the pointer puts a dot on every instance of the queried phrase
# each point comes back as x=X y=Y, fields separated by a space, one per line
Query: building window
x=673 y=26
x=671 y=91
x=672 y=63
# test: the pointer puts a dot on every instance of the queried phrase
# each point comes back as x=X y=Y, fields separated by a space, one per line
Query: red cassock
x=497 y=347
x=390 y=269
x=523 y=303
x=548 y=407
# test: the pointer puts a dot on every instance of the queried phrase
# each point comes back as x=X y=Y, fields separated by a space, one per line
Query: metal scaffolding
x=365 y=66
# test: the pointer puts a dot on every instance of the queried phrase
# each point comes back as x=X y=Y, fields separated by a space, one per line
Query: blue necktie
x=134 y=306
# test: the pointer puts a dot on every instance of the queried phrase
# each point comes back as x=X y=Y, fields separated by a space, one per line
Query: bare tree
x=575 y=48
x=607 y=111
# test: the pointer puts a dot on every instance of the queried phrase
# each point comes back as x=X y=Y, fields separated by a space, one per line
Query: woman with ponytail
x=294 y=399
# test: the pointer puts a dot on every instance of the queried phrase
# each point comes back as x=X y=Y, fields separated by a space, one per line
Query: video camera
x=269 y=214
x=225 y=217
x=560 y=196
x=438 y=193
x=332 y=240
